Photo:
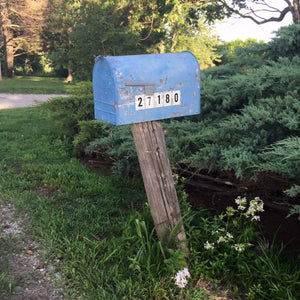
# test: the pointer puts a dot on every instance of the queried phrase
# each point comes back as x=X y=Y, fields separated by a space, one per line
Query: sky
x=236 y=28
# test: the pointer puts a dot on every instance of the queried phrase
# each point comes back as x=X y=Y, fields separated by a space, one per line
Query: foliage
x=283 y=157
x=227 y=50
x=220 y=243
x=91 y=28
x=88 y=131
x=105 y=250
x=67 y=112
x=286 y=43
x=20 y=26
x=56 y=32
x=253 y=54
x=118 y=146
x=280 y=278
x=225 y=247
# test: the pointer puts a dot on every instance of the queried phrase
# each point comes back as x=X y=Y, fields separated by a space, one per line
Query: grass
x=78 y=215
x=102 y=247
x=35 y=85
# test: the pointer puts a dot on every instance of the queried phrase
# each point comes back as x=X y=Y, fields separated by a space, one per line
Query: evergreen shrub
x=249 y=121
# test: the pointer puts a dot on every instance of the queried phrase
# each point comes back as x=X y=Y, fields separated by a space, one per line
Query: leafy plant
x=270 y=274
x=221 y=242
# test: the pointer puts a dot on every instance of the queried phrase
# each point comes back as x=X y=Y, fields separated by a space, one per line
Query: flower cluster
x=181 y=278
x=240 y=247
x=208 y=245
x=241 y=202
x=221 y=235
x=256 y=206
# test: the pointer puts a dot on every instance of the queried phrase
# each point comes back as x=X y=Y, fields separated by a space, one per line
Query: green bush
x=88 y=131
x=249 y=121
x=66 y=112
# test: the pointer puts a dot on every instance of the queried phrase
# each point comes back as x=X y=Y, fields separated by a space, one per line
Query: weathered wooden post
x=141 y=90
x=157 y=175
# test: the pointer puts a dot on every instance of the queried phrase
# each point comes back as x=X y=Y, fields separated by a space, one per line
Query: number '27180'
x=157 y=100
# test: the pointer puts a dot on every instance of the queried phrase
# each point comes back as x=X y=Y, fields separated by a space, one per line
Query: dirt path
x=21 y=258
x=23 y=100
x=27 y=276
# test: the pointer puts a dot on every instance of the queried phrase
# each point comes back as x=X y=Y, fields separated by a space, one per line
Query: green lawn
x=78 y=215
x=35 y=85
x=103 y=248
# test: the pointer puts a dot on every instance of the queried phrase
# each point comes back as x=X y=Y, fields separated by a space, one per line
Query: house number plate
x=169 y=98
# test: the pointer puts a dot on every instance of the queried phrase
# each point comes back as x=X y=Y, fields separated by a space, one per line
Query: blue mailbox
x=139 y=88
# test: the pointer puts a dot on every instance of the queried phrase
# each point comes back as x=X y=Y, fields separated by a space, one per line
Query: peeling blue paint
x=120 y=81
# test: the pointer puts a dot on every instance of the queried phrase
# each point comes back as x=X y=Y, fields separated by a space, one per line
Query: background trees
x=71 y=33
x=76 y=32
x=20 y=27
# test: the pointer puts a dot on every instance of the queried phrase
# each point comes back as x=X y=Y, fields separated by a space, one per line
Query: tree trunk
x=9 y=56
x=9 y=53
x=70 y=72
x=296 y=12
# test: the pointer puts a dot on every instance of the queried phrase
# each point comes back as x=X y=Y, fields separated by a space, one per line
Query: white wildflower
x=239 y=247
x=241 y=202
x=221 y=239
x=208 y=245
x=229 y=235
x=181 y=278
x=255 y=218
x=256 y=205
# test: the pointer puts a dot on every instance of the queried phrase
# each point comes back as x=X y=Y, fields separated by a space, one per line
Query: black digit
x=140 y=99
x=149 y=98
x=167 y=98
x=176 y=97
x=158 y=99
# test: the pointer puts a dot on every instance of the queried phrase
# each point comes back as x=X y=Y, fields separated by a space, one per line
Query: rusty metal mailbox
x=140 y=88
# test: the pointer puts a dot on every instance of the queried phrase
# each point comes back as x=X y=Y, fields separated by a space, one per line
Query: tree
x=77 y=31
x=186 y=30
x=56 y=40
x=20 y=25
x=259 y=11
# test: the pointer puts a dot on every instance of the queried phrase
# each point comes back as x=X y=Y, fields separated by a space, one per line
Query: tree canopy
x=84 y=29
x=71 y=33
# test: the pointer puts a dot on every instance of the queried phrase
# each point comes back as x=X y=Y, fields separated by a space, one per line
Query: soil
x=218 y=190
x=28 y=276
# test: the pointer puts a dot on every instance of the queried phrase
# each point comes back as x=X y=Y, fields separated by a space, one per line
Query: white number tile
x=140 y=102
x=157 y=100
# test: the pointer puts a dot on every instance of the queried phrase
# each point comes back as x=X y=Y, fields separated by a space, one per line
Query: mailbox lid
x=124 y=85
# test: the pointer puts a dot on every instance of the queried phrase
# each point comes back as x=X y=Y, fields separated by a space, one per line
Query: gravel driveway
x=23 y=100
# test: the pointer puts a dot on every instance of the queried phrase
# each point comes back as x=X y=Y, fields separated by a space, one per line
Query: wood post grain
x=159 y=184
